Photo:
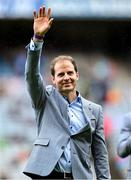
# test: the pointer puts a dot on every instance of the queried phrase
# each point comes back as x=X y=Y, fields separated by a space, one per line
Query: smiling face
x=65 y=77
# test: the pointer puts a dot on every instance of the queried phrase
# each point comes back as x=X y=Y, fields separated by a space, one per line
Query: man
x=124 y=143
x=70 y=128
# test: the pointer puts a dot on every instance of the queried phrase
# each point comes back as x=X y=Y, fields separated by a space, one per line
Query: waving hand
x=42 y=21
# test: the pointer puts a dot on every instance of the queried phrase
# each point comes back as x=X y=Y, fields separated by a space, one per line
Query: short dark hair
x=59 y=58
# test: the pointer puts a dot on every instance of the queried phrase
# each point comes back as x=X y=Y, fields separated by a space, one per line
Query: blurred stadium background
x=97 y=33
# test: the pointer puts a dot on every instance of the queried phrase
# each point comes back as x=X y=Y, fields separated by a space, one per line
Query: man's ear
x=53 y=79
x=77 y=74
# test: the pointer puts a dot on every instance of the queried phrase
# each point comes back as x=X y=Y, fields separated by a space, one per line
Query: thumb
x=51 y=21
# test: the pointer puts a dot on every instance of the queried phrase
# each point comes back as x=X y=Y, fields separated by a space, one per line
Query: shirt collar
x=78 y=98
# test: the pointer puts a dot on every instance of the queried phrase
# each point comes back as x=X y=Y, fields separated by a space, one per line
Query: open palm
x=42 y=21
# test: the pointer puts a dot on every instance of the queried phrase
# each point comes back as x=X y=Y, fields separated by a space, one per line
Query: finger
x=51 y=21
x=34 y=14
x=44 y=11
x=40 y=12
x=49 y=13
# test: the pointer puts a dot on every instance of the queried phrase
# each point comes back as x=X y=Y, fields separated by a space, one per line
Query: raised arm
x=42 y=23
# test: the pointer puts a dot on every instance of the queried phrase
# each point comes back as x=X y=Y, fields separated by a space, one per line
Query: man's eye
x=70 y=73
x=60 y=75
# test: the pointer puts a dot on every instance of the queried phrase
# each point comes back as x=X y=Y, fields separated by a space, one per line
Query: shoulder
x=91 y=104
x=95 y=109
x=127 y=119
x=50 y=90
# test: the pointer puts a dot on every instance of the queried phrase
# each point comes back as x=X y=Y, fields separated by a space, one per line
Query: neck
x=70 y=96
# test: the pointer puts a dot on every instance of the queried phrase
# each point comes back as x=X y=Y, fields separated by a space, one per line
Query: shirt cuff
x=34 y=46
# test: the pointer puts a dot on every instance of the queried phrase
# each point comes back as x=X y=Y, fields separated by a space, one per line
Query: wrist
x=38 y=37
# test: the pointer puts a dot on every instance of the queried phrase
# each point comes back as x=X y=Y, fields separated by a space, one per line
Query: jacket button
x=63 y=147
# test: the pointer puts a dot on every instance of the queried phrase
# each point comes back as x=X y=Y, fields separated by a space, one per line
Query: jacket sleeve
x=34 y=79
x=124 y=143
x=99 y=150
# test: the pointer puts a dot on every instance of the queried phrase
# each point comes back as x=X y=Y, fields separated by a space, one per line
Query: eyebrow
x=61 y=73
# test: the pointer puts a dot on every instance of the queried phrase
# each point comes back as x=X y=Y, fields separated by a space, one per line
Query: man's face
x=65 y=77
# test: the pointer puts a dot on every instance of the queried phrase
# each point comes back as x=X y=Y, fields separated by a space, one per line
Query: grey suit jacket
x=124 y=144
x=53 y=133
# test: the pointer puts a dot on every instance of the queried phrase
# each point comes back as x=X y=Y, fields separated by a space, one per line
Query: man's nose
x=66 y=77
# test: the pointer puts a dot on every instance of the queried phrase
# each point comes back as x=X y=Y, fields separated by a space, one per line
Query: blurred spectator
x=124 y=144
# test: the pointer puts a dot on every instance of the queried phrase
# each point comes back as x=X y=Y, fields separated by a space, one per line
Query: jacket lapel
x=62 y=104
x=88 y=115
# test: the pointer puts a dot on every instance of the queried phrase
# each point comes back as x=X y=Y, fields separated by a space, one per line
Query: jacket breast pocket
x=42 y=142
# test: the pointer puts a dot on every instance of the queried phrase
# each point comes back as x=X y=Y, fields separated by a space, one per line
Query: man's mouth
x=67 y=83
